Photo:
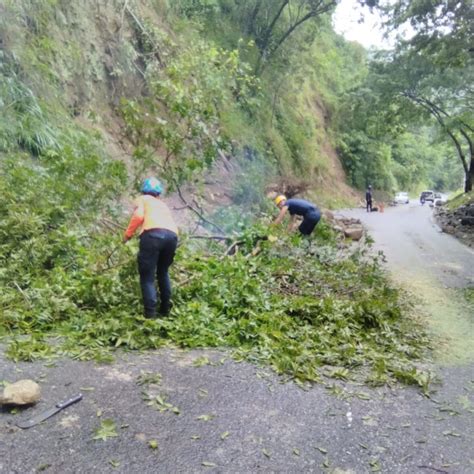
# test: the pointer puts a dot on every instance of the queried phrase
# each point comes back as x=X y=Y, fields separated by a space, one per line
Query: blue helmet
x=152 y=186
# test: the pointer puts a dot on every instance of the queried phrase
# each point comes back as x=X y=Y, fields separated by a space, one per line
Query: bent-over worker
x=158 y=242
x=298 y=207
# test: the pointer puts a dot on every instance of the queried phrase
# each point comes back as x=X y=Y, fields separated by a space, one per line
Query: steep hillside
x=87 y=64
x=77 y=59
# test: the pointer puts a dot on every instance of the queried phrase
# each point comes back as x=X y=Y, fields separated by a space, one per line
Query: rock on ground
x=345 y=226
x=23 y=392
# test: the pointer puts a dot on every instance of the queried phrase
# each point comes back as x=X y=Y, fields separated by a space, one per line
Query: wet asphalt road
x=415 y=246
x=434 y=267
x=235 y=417
x=252 y=422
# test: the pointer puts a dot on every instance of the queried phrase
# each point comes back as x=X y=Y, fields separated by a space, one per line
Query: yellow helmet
x=279 y=199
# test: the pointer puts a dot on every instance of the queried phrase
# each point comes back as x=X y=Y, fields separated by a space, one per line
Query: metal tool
x=48 y=413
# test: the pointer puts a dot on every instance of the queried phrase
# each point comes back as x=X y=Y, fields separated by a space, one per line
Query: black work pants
x=309 y=222
x=156 y=254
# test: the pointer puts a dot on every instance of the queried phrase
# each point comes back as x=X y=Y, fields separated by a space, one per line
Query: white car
x=401 y=198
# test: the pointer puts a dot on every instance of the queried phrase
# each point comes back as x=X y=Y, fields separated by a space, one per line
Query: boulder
x=348 y=221
x=467 y=221
x=449 y=229
x=354 y=232
x=329 y=215
x=23 y=392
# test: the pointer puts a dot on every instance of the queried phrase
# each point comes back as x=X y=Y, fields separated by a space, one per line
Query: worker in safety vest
x=298 y=207
x=158 y=242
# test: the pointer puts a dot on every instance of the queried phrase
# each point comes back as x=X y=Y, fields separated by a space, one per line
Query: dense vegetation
x=70 y=288
x=414 y=107
x=266 y=83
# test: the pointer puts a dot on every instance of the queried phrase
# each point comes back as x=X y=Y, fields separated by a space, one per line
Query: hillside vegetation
x=96 y=95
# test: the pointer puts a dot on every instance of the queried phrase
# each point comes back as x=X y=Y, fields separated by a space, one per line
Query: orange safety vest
x=150 y=213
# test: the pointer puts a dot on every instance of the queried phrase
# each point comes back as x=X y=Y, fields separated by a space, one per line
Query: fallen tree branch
x=210 y=237
x=112 y=223
x=433 y=469
x=27 y=298
x=183 y=282
x=122 y=15
x=193 y=209
x=232 y=250
x=144 y=32
x=100 y=271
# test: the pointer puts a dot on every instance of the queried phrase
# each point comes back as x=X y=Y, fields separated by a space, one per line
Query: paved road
x=432 y=265
x=414 y=244
x=253 y=422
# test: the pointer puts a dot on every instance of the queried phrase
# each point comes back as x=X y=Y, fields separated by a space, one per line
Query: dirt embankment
x=458 y=221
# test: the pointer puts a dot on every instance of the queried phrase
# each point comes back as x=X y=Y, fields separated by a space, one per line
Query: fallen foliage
x=295 y=304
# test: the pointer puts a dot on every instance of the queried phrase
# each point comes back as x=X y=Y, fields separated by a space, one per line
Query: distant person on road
x=158 y=242
x=298 y=207
x=368 y=198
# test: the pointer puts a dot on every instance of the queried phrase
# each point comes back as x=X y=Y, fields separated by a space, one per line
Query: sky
x=346 y=22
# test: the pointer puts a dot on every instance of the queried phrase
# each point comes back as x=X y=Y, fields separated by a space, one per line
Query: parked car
x=427 y=196
x=401 y=198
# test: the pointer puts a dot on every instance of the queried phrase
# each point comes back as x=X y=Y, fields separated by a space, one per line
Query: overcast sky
x=347 y=22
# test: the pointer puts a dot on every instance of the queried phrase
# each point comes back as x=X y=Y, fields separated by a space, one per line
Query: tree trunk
x=469 y=177
x=440 y=115
x=470 y=170
x=263 y=42
x=250 y=27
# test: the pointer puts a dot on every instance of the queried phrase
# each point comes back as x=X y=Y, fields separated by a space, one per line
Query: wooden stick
x=233 y=248
x=145 y=32
x=210 y=237
x=22 y=292
x=112 y=223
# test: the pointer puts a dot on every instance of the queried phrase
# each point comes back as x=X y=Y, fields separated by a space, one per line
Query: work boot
x=149 y=313
x=165 y=309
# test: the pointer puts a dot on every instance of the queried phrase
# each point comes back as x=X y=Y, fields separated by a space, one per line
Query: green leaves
x=182 y=115
x=159 y=403
x=153 y=444
x=206 y=417
x=286 y=306
x=149 y=378
x=107 y=429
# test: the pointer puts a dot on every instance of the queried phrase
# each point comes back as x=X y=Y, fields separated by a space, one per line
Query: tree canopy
x=426 y=79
